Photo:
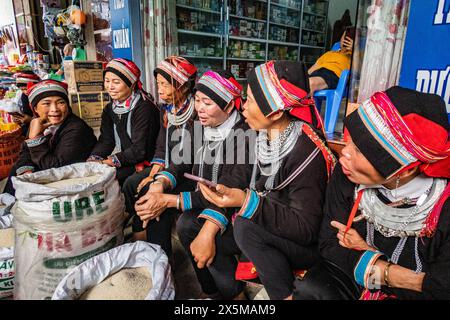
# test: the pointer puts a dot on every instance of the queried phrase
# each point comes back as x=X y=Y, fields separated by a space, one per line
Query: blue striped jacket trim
x=158 y=161
x=214 y=215
x=23 y=169
x=36 y=141
x=364 y=265
x=187 y=201
x=250 y=205
x=171 y=177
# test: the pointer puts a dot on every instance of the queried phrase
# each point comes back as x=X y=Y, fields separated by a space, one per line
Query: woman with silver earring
x=386 y=230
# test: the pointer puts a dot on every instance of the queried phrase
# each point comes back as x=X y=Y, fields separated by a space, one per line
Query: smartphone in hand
x=16 y=114
x=350 y=32
x=201 y=180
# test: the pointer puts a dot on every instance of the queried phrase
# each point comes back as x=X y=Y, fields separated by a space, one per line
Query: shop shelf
x=197 y=9
x=247 y=39
x=284 y=25
x=246 y=18
x=199 y=33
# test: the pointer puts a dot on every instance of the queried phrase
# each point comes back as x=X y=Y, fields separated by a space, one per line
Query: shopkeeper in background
x=175 y=78
x=130 y=123
x=325 y=73
x=56 y=136
x=67 y=51
x=24 y=117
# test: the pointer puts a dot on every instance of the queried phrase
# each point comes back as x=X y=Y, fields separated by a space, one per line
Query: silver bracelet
x=157 y=181
x=178 y=202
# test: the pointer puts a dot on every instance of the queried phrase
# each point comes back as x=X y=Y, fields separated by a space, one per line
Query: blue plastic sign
x=426 y=55
x=121 y=29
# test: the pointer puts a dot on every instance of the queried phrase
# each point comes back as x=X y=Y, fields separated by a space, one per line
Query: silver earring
x=397 y=182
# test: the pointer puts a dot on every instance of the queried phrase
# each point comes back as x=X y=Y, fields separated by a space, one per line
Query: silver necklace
x=178 y=120
x=269 y=154
x=400 y=222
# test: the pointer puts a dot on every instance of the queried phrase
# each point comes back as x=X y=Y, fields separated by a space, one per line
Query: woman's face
x=357 y=168
x=209 y=112
x=165 y=89
x=253 y=114
x=53 y=109
x=116 y=87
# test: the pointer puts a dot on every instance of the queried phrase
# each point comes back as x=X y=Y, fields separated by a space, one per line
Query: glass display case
x=314 y=29
x=240 y=34
x=102 y=29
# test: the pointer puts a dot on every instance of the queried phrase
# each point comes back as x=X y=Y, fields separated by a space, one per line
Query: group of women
x=268 y=198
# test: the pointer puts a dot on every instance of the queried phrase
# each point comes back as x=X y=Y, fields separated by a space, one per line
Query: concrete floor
x=186 y=283
x=185 y=280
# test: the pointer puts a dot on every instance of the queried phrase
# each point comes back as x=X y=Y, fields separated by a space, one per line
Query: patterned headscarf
x=401 y=129
x=283 y=85
x=176 y=70
x=46 y=88
x=221 y=87
x=129 y=72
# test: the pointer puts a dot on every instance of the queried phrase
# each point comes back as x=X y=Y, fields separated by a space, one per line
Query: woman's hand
x=108 y=162
x=155 y=169
x=21 y=119
x=151 y=205
x=352 y=239
x=37 y=127
x=203 y=248
x=348 y=44
x=222 y=196
x=25 y=172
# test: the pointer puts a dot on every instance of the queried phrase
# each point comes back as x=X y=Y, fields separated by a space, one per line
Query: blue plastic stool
x=333 y=101
x=336 y=46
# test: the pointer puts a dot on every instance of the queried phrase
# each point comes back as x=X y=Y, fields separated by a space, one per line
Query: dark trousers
x=9 y=187
x=123 y=173
x=129 y=190
x=219 y=276
x=275 y=258
x=158 y=232
x=326 y=281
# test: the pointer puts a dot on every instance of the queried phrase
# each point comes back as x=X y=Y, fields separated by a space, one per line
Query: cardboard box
x=89 y=106
x=84 y=76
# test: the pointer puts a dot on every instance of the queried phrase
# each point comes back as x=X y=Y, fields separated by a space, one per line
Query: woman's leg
x=123 y=173
x=274 y=257
x=326 y=281
x=160 y=232
x=224 y=266
x=129 y=190
x=188 y=227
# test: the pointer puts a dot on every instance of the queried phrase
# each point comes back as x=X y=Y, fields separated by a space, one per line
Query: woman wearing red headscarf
x=386 y=230
x=130 y=123
x=56 y=136
x=220 y=154
x=279 y=218
x=175 y=78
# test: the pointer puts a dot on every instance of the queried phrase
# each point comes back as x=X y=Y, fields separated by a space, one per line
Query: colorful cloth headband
x=393 y=133
x=284 y=85
x=129 y=72
x=221 y=89
x=46 y=88
x=176 y=69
